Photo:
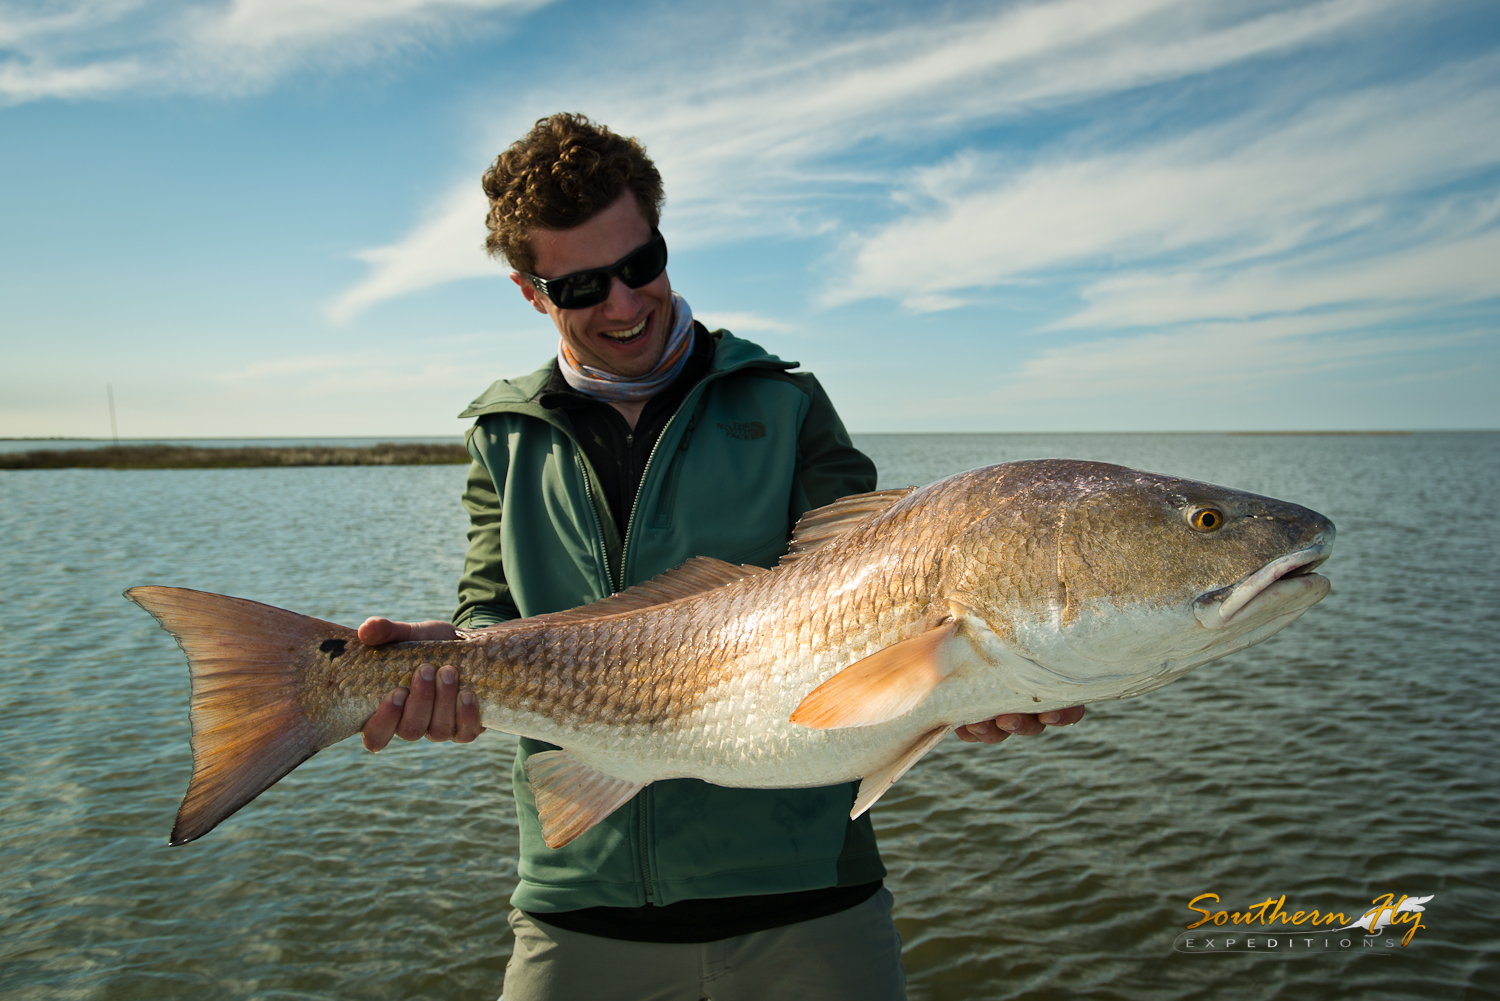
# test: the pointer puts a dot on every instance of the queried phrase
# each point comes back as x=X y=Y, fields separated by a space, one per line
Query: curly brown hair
x=559 y=175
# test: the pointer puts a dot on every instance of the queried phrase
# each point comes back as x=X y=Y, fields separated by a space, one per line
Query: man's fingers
x=375 y=631
x=983 y=732
x=1062 y=717
x=444 y=706
x=417 y=714
x=1022 y=724
x=381 y=726
x=468 y=718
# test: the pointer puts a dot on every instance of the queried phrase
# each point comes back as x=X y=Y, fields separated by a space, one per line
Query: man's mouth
x=627 y=336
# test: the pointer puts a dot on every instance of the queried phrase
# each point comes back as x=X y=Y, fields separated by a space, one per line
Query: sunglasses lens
x=581 y=291
x=642 y=267
x=590 y=288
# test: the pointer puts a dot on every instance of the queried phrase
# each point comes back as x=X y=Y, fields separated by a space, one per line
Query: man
x=650 y=440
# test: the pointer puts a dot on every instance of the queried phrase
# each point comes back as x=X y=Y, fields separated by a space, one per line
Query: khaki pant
x=855 y=954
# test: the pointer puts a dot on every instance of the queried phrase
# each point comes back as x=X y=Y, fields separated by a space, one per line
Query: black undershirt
x=709 y=919
x=618 y=456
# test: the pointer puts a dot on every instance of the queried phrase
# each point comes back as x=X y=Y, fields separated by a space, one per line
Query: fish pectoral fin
x=822 y=525
x=874 y=785
x=881 y=687
x=571 y=796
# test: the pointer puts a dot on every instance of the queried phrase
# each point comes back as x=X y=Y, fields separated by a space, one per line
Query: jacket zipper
x=645 y=805
x=636 y=502
x=645 y=794
x=588 y=489
x=619 y=585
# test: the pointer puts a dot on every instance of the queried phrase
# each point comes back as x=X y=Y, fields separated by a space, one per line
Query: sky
x=262 y=218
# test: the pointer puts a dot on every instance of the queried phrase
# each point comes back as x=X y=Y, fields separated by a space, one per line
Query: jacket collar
x=518 y=396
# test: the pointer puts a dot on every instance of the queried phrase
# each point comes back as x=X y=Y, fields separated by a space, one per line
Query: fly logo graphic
x=1268 y=927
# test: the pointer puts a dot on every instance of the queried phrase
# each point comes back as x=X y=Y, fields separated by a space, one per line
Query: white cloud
x=372 y=370
x=31 y=81
x=1251 y=188
x=742 y=321
x=1450 y=271
x=752 y=144
x=93 y=48
x=1211 y=358
x=447 y=246
x=760 y=146
x=258 y=23
x=1334 y=370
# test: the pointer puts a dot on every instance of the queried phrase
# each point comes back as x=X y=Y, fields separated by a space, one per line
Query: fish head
x=1136 y=578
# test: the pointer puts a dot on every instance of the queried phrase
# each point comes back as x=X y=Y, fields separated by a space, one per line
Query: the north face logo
x=744 y=430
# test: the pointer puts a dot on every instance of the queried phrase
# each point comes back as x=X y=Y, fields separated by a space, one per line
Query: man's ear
x=529 y=291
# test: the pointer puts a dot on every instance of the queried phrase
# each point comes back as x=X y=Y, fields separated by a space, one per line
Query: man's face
x=626 y=333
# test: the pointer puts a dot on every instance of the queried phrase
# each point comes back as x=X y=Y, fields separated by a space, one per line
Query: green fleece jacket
x=752 y=446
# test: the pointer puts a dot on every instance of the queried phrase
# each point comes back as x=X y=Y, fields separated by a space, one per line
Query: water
x=1352 y=755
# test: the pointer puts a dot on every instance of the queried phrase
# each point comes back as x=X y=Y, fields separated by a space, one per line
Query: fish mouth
x=1278 y=582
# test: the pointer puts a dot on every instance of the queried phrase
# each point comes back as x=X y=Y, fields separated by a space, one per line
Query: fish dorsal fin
x=874 y=785
x=699 y=574
x=822 y=525
x=882 y=686
x=571 y=796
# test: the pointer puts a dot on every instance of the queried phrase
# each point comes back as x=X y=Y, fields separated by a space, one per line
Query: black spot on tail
x=333 y=647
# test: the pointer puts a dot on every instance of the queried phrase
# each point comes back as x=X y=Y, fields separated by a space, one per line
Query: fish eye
x=1206 y=519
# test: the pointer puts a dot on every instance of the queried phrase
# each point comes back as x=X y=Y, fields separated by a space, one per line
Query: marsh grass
x=188 y=457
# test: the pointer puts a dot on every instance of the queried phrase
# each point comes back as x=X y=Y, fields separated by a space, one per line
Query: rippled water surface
x=1353 y=755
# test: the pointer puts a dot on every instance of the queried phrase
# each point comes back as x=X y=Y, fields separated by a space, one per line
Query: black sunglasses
x=583 y=289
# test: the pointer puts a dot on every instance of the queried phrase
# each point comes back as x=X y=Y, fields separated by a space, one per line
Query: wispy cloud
x=446 y=246
x=93 y=48
x=1449 y=270
x=766 y=136
x=767 y=140
x=1304 y=189
x=744 y=321
x=1278 y=372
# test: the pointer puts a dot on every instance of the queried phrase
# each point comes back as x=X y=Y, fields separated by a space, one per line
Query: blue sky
x=262 y=217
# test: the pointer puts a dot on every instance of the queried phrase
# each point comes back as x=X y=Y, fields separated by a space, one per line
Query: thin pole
x=113 y=433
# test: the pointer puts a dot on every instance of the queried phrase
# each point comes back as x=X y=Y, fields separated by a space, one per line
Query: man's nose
x=623 y=302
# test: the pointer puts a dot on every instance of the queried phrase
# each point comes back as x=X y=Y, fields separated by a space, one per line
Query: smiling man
x=649 y=440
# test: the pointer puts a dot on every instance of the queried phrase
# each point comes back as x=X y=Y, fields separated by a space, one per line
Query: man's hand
x=434 y=705
x=1025 y=724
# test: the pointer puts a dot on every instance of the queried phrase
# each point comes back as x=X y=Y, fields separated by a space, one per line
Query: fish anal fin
x=697 y=575
x=882 y=686
x=572 y=796
x=822 y=525
x=874 y=785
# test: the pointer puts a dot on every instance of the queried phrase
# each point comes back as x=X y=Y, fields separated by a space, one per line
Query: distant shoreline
x=192 y=457
x=222 y=453
x=292 y=442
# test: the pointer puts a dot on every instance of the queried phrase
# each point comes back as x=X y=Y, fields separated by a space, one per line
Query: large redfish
x=894 y=617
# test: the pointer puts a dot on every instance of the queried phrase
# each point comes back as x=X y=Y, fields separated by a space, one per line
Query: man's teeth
x=625 y=335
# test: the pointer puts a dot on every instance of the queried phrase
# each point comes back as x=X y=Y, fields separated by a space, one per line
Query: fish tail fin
x=250 y=728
